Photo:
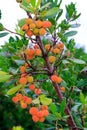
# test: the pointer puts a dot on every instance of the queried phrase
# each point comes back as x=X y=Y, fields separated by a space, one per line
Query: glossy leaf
x=13 y=90
x=70 y=33
x=3 y=34
x=77 y=61
x=4 y=78
x=52 y=12
x=44 y=100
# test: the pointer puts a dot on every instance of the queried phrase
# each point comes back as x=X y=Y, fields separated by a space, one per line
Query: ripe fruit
x=30 y=79
x=29 y=33
x=25 y=27
x=38 y=52
x=23 y=80
x=41 y=119
x=27 y=1
x=36 y=46
x=32 y=26
x=60 y=45
x=45 y=112
x=62 y=89
x=29 y=100
x=19 y=96
x=56 y=51
x=42 y=31
x=35 y=118
x=52 y=59
x=15 y=99
x=47 y=47
x=33 y=111
x=37 y=91
x=38 y=23
x=47 y=24
x=23 y=105
x=29 y=21
x=56 y=79
x=32 y=87
x=22 y=69
x=40 y=114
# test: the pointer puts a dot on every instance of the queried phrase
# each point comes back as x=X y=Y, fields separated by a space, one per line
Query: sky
x=11 y=12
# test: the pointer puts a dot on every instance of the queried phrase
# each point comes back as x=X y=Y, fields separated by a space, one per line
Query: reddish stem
x=70 y=120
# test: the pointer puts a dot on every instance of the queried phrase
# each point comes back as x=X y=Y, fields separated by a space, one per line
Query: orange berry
x=15 y=99
x=52 y=59
x=29 y=33
x=47 y=46
x=25 y=27
x=60 y=45
x=29 y=100
x=59 y=80
x=47 y=24
x=45 y=112
x=19 y=96
x=37 y=91
x=29 y=57
x=23 y=80
x=23 y=75
x=41 y=119
x=29 y=21
x=35 y=118
x=62 y=89
x=38 y=23
x=30 y=79
x=44 y=107
x=42 y=31
x=32 y=87
x=23 y=105
x=32 y=25
x=33 y=111
x=36 y=46
x=38 y=52
x=31 y=52
x=22 y=69
x=54 y=78
x=40 y=114
x=56 y=51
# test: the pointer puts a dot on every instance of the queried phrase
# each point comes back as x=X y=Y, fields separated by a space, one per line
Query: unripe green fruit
x=1 y=27
x=19 y=1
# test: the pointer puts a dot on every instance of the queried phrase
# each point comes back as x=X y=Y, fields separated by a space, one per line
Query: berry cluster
x=54 y=51
x=37 y=27
x=24 y=100
x=39 y=114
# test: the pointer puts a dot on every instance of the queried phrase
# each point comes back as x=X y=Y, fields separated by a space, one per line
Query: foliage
x=42 y=71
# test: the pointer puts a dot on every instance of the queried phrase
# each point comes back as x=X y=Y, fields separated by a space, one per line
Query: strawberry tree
x=39 y=82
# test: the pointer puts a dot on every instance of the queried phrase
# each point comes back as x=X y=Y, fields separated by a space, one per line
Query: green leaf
x=60 y=11
x=21 y=22
x=3 y=34
x=75 y=25
x=4 y=78
x=0 y=14
x=14 y=90
x=82 y=82
x=82 y=98
x=84 y=69
x=33 y=2
x=44 y=100
x=3 y=73
x=51 y=118
x=77 y=61
x=53 y=108
x=19 y=62
x=38 y=3
x=36 y=101
x=62 y=106
x=70 y=33
x=1 y=27
x=52 y=12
